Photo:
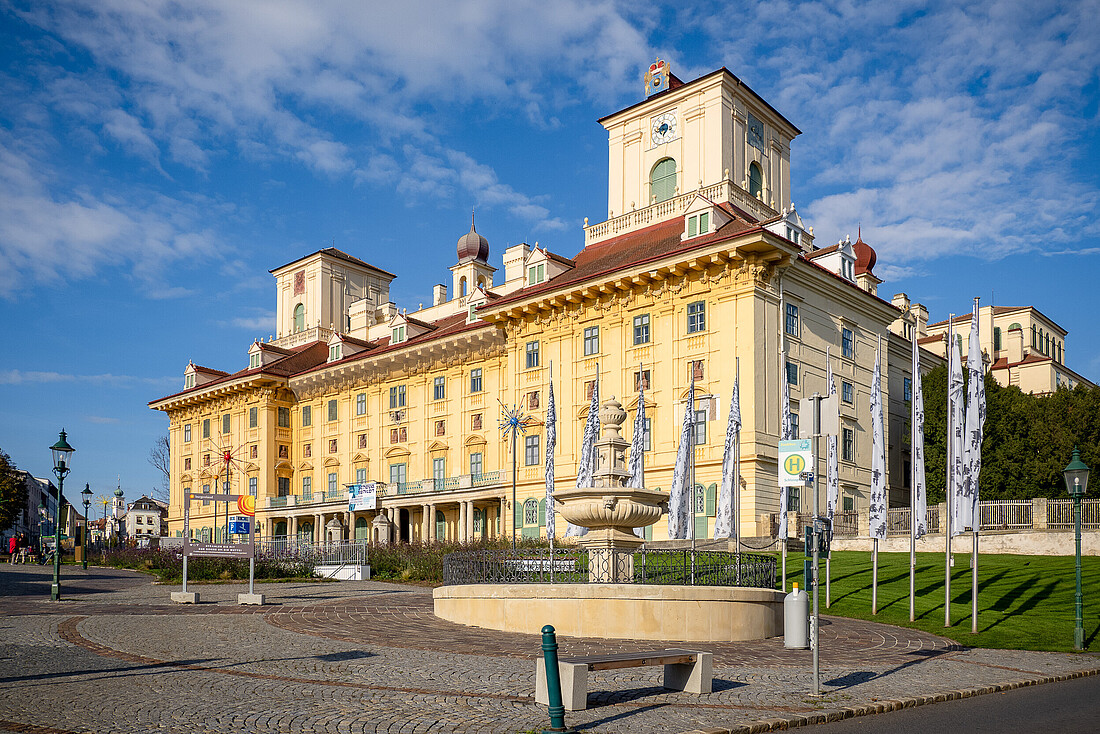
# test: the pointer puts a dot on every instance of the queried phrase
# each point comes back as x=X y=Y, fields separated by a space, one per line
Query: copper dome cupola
x=472 y=246
x=865 y=255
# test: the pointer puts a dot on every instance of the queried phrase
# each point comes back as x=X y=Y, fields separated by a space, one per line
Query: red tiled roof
x=823 y=251
x=209 y=370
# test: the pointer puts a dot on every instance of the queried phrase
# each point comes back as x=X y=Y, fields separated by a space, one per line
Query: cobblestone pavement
x=115 y=656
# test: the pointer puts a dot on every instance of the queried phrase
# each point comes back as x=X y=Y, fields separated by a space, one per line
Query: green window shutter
x=519 y=513
x=704 y=221
x=542 y=512
x=692 y=222
x=662 y=180
x=711 y=497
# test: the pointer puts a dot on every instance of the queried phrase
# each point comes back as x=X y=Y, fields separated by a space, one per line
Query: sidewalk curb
x=880 y=707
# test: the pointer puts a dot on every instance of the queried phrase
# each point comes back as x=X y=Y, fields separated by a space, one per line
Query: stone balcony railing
x=317 y=333
x=394 y=489
x=720 y=192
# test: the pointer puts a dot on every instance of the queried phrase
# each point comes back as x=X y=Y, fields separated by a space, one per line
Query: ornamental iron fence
x=580 y=566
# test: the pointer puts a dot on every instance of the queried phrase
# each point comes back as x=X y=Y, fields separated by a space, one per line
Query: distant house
x=146 y=518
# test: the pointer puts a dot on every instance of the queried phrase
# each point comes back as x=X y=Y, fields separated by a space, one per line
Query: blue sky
x=158 y=158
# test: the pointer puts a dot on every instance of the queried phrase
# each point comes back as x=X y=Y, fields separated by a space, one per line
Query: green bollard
x=553 y=681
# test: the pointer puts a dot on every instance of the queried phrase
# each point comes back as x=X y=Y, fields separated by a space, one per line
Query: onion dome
x=118 y=492
x=865 y=255
x=472 y=246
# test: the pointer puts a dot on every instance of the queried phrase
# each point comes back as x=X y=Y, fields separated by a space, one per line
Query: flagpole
x=874 y=578
x=949 y=479
x=550 y=500
x=737 y=474
x=913 y=473
x=977 y=513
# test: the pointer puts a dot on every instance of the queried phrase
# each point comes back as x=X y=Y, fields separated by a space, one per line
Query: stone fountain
x=612 y=604
x=610 y=509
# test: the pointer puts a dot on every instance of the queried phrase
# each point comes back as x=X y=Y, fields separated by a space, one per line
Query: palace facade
x=703 y=270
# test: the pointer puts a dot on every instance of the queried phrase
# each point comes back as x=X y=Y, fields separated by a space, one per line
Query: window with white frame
x=791 y=326
x=254 y=361
x=847 y=346
x=532 y=354
x=536 y=274
x=847 y=444
x=361 y=404
x=333 y=352
x=398 y=334
x=591 y=341
x=697 y=317
x=361 y=475
x=397 y=474
x=847 y=392
x=475 y=380
x=475 y=464
x=307 y=487
x=188 y=382
x=187 y=433
x=253 y=485
x=439 y=468
x=700 y=427
x=397 y=396
x=332 y=410
x=439 y=388
x=531 y=450
x=333 y=484
x=641 y=329
x=530 y=512
x=253 y=417
x=698 y=224
x=225 y=423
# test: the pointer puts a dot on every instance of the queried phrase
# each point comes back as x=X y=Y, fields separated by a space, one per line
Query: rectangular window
x=475 y=422
x=253 y=361
x=532 y=354
x=205 y=490
x=284 y=486
x=253 y=417
x=847 y=392
x=334 y=353
x=284 y=417
x=996 y=338
x=398 y=334
x=792 y=320
x=531 y=450
x=697 y=317
x=441 y=428
x=641 y=329
x=225 y=423
x=187 y=433
x=700 y=427
x=397 y=474
x=206 y=428
x=253 y=485
x=361 y=404
x=475 y=380
x=532 y=400
x=792 y=373
x=848 y=503
x=361 y=475
x=439 y=388
x=641 y=380
x=439 y=469
x=846 y=346
x=332 y=483
x=794 y=425
x=907 y=389
x=475 y=464
x=332 y=412
x=647 y=436
x=362 y=440
x=847 y=444
x=536 y=274
x=307 y=416
x=397 y=396
x=307 y=487
x=307 y=450
x=591 y=340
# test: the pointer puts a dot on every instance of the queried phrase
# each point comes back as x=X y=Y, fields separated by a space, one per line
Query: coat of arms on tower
x=299 y=282
x=656 y=79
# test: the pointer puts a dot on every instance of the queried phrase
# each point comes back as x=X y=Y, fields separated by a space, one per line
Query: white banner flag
x=786 y=433
x=919 y=505
x=637 y=446
x=723 y=523
x=975 y=427
x=551 y=445
x=832 y=470
x=587 y=459
x=878 y=501
x=956 y=399
x=679 y=494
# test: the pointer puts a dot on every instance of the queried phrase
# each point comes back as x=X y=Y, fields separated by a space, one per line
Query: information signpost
x=244 y=524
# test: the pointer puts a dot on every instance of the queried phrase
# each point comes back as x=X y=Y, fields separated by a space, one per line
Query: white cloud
x=25 y=377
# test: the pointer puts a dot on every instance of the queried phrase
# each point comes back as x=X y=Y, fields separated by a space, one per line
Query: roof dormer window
x=698 y=224
x=398 y=334
x=536 y=274
x=334 y=352
x=253 y=361
x=188 y=381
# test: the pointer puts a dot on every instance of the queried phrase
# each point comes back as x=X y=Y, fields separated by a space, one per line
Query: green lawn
x=1024 y=602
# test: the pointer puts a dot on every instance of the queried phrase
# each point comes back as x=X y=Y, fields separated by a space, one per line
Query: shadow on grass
x=1029 y=604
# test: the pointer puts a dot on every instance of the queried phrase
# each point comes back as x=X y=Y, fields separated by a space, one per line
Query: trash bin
x=796 y=620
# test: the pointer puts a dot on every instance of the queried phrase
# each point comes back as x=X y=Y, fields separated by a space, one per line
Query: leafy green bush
x=423 y=562
x=167 y=565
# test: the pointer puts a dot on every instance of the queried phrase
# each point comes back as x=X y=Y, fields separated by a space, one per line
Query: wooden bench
x=685 y=670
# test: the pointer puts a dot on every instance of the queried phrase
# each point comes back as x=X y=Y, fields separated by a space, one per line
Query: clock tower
x=713 y=136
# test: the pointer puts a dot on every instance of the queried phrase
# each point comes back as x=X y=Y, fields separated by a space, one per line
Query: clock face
x=756 y=133
x=664 y=128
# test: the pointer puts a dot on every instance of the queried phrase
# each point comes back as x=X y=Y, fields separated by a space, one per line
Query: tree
x=13 y=492
x=160 y=459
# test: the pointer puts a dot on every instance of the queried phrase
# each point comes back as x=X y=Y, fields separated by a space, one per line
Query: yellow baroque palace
x=703 y=269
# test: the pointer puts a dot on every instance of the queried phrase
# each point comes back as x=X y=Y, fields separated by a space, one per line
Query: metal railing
x=1060 y=514
x=1006 y=514
x=344 y=551
x=579 y=566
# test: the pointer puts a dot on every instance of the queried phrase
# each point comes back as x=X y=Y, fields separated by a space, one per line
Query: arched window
x=361 y=530
x=756 y=180
x=481 y=282
x=662 y=180
x=479 y=521
x=440 y=525
x=299 y=318
x=305 y=532
x=531 y=512
x=462 y=286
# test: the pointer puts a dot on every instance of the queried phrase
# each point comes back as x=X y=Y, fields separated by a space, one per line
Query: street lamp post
x=86 y=495
x=1077 y=479
x=62 y=453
